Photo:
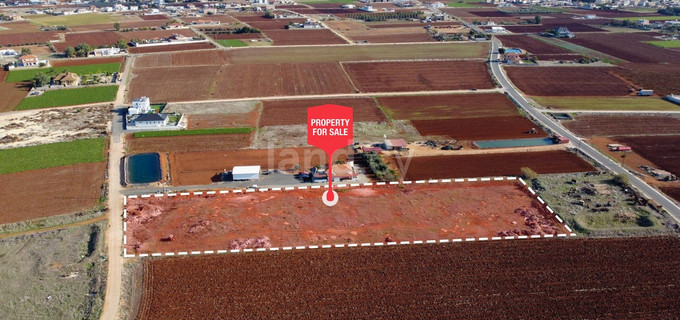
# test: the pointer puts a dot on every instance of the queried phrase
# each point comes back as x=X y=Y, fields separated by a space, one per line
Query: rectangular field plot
x=448 y=106
x=442 y=167
x=363 y=215
x=664 y=151
x=620 y=125
x=288 y=112
x=174 y=83
x=516 y=127
x=625 y=278
x=419 y=76
x=568 y=81
x=631 y=47
x=303 y=37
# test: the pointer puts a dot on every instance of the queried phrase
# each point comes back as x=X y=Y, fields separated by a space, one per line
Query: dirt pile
x=143 y=213
x=536 y=222
x=243 y=243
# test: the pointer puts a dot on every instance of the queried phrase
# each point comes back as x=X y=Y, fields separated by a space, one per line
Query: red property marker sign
x=330 y=127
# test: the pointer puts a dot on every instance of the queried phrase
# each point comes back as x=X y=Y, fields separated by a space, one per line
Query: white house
x=368 y=8
x=151 y=120
x=348 y=6
x=30 y=60
x=140 y=106
x=101 y=52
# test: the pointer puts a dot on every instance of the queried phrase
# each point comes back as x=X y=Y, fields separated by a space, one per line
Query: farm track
x=59 y=227
x=575 y=278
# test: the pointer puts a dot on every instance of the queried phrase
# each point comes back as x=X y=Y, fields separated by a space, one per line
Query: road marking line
x=146 y=196
x=535 y=236
x=265 y=189
x=274 y=249
x=522 y=181
x=496 y=238
x=446 y=180
x=237 y=191
x=511 y=178
x=250 y=190
x=124 y=240
x=548 y=236
x=326 y=246
x=224 y=191
x=354 y=185
x=378 y=244
x=300 y=248
x=431 y=241
x=287 y=248
x=235 y=251
x=125 y=214
x=472 y=179
x=485 y=179
x=341 y=185
x=405 y=242
x=248 y=250
x=418 y=242
x=497 y=178
x=420 y=181
x=483 y=239
x=469 y=239
x=183 y=193
x=182 y=253
x=457 y=240
x=379 y=183
x=394 y=182
x=408 y=182
x=531 y=190
x=561 y=235
x=459 y=180
x=143 y=255
x=572 y=234
x=195 y=252
x=124 y=201
x=221 y=251
x=568 y=229
x=198 y=193
x=172 y=194
x=289 y=188
x=169 y=253
x=392 y=243
x=339 y=245
x=540 y=200
x=559 y=219
x=433 y=181
x=443 y=240
x=549 y=209
x=260 y=249
x=208 y=252
x=210 y=192
x=302 y=188
x=316 y=187
x=365 y=244
x=509 y=237
x=522 y=237
x=276 y=189
x=314 y=247
x=352 y=245
x=368 y=184
x=132 y=196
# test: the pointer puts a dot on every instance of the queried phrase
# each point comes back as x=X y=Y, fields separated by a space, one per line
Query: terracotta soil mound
x=298 y=217
x=48 y=192
x=568 y=81
x=288 y=112
x=419 y=75
x=499 y=164
x=622 y=278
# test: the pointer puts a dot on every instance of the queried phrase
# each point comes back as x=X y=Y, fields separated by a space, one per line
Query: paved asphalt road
x=604 y=160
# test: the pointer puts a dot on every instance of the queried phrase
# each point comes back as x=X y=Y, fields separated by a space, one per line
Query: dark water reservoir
x=143 y=168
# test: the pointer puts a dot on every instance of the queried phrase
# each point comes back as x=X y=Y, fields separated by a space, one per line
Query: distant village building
x=102 y=52
x=512 y=58
x=140 y=106
x=395 y=144
x=30 y=60
x=66 y=79
x=563 y=32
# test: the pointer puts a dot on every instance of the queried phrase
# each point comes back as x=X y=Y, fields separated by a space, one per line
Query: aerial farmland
x=163 y=160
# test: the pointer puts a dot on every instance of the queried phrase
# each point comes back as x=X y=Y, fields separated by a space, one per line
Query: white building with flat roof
x=140 y=106
x=246 y=173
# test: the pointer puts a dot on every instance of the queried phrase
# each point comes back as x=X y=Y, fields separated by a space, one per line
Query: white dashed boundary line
x=349 y=245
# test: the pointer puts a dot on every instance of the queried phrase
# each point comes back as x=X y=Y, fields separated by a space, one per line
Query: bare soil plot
x=390 y=35
x=175 y=47
x=627 y=46
x=18 y=27
x=558 y=57
x=182 y=59
x=298 y=218
x=530 y=44
x=123 y=25
x=568 y=81
x=499 y=164
x=273 y=24
x=56 y=125
x=419 y=75
x=222 y=18
x=155 y=34
x=95 y=39
x=284 y=79
x=288 y=112
x=48 y=192
x=448 y=106
x=153 y=16
x=619 y=125
x=664 y=151
x=472 y=280
x=194 y=168
x=573 y=27
x=495 y=128
x=664 y=79
x=173 y=84
x=303 y=37
x=189 y=143
x=12 y=92
x=26 y=38
x=673 y=192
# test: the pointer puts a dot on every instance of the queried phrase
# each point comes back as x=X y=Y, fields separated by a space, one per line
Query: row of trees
x=83 y=49
x=382 y=16
x=379 y=167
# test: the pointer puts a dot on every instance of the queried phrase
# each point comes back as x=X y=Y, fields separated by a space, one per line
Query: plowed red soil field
x=95 y=39
x=123 y=25
x=419 y=75
x=284 y=79
x=664 y=79
x=173 y=84
x=557 y=57
x=194 y=168
x=26 y=38
x=49 y=192
x=287 y=112
x=530 y=44
x=499 y=164
x=19 y=27
x=223 y=18
x=175 y=47
x=273 y=24
x=568 y=81
x=153 y=16
x=232 y=120
x=470 y=280
x=189 y=143
x=12 y=92
x=673 y=192
x=573 y=27
x=664 y=151
x=299 y=218
x=627 y=46
x=619 y=125
x=516 y=127
x=303 y=37
x=394 y=38
x=81 y=62
x=448 y=106
x=182 y=59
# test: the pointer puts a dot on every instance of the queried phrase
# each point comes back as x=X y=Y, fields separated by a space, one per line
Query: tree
x=83 y=49
x=70 y=52
x=268 y=14
x=501 y=50
x=25 y=51
x=538 y=19
x=40 y=80
x=122 y=44
x=116 y=26
x=621 y=180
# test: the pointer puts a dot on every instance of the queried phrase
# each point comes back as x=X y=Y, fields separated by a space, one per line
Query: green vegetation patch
x=52 y=155
x=57 y=274
x=652 y=18
x=74 y=20
x=29 y=74
x=665 y=44
x=69 y=97
x=171 y=133
x=232 y=43
x=464 y=3
x=607 y=103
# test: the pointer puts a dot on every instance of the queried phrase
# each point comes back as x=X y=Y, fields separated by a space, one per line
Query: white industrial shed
x=246 y=173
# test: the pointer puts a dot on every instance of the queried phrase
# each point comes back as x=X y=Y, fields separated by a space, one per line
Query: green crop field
x=665 y=44
x=607 y=103
x=170 y=133
x=28 y=74
x=69 y=97
x=232 y=43
x=74 y=20
x=652 y=18
x=52 y=155
x=463 y=3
